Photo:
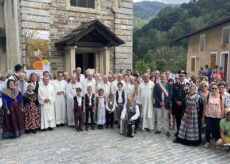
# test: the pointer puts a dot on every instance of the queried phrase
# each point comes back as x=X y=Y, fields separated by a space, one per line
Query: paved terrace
x=65 y=145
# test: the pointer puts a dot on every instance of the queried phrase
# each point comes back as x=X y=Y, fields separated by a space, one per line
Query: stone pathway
x=65 y=145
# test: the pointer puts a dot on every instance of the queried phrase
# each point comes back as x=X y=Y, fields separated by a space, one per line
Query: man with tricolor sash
x=162 y=93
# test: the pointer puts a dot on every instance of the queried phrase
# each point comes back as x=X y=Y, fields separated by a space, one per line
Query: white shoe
x=206 y=145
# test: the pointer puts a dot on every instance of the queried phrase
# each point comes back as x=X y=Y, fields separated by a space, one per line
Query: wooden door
x=213 y=60
x=193 y=64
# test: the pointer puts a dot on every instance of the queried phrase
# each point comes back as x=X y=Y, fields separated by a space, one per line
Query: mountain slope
x=147 y=9
x=153 y=44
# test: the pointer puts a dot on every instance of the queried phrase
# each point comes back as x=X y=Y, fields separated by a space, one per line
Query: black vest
x=87 y=100
x=122 y=95
x=130 y=112
x=76 y=103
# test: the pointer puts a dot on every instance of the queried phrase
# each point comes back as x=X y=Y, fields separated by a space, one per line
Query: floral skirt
x=32 y=118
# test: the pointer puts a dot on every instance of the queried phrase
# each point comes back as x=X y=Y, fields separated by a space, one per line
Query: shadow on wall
x=2 y=39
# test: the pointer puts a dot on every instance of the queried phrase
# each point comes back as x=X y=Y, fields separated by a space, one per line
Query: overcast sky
x=165 y=1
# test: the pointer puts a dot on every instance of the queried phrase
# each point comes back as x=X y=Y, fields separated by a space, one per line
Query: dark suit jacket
x=179 y=93
x=157 y=94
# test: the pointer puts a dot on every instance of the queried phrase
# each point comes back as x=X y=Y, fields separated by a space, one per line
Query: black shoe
x=175 y=141
x=27 y=131
x=81 y=129
x=34 y=131
x=98 y=126
x=175 y=135
x=86 y=128
x=62 y=124
x=50 y=128
x=157 y=132
x=43 y=130
x=58 y=125
x=102 y=126
x=107 y=126
x=92 y=127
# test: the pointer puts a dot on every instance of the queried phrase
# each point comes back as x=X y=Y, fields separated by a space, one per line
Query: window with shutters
x=193 y=64
x=83 y=3
x=226 y=35
x=202 y=43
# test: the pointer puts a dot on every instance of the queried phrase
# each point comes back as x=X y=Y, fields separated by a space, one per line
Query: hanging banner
x=37 y=50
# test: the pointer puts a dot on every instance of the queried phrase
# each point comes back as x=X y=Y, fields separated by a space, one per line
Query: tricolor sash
x=164 y=89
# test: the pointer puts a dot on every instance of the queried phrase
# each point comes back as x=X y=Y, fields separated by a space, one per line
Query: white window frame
x=222 y=35
x=201 y=36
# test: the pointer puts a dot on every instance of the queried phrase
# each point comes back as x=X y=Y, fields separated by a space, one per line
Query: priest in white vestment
x=79 y=75
x=146 y=96
x=46 y=98
x=90 y=81
x=60 y=102
x=129 y=88
x=70 y=93
x=106 y=86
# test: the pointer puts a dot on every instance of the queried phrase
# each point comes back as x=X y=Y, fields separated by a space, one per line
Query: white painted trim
x=225 y=52
x=193 y=57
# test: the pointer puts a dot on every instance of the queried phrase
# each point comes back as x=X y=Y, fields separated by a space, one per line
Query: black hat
x=182 y=72
x=18 y=67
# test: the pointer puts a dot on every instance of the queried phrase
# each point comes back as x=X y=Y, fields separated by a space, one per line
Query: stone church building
x=66 y=34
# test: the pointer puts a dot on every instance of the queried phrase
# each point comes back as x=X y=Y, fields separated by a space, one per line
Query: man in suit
x=180 y=90
x=162 y=93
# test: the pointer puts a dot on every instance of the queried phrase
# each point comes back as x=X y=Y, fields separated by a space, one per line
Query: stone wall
x=34 y=16
x=2 y=45
x=59 y=18
x=11 y=55
x=124 y=29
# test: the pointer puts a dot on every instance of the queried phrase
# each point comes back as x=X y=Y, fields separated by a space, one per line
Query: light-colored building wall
x=213 y=45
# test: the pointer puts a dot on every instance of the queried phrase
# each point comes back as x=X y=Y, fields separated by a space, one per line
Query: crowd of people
x=196 y=107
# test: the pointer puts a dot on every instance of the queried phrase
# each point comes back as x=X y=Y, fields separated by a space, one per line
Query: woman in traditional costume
x=101 y=107
x=32 y=118
x=190 y=128
x=13 y=122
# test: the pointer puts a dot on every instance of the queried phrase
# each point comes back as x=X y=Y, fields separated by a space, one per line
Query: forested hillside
x=154 y=45
x=147 y=9
x=144 y=11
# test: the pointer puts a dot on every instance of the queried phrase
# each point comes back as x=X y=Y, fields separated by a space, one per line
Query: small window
x=193 y=64
x=226 y=35
x=202 y=43
x=83 y=3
